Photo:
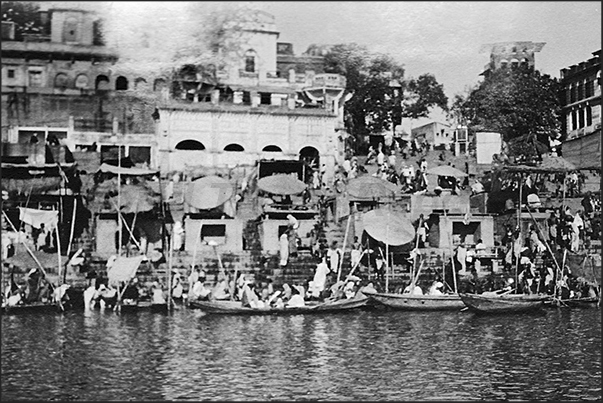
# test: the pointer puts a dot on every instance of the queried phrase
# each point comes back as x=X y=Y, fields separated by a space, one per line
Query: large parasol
x=389 y=227
x=370 y=187
x=281 y=185
x=446 y=170
x=136 y=199
x=208 y=192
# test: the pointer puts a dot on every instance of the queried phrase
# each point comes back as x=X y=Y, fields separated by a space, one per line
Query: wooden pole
x=169 y=274
x=451 y=253
x=345 y=240
x=119 y=230
x=71 y=233
x=520 y=232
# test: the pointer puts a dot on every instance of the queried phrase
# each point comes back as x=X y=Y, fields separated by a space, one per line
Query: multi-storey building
x=581 y=97
x=510 y=54
x=63 y=83
x=581 y=112
x=260 y=106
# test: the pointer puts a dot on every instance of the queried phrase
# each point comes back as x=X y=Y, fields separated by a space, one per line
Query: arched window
x=61 y=80
x=158 y=84
x=234 y=147
x=311 y=156
x=70 y=29
x=121 y=83
x=503 y=63
x=190 y=145
x=81 y=81
x=140 y=83
x=250 y=57
x=102 y=82
x=272 y=149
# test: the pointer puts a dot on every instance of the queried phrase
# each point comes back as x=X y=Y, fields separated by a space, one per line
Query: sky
x=441 y=38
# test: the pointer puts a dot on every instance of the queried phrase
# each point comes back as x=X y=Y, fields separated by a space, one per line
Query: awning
x=208 y=192
x=389 y=227
x=281 y=185
x=126 y=171
x=123 y=269
x=369 y=187
x=549 y=164
x=446 y=170
x=36 y=217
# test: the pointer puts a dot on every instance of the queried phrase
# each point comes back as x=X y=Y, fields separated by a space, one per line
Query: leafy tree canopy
x=382 y=94
x=25 y=16
x=514 y=102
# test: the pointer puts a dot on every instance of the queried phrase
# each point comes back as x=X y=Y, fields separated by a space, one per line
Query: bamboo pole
x=56 y=229
x=122 y=219
x=520 y=232
x=345 y=240
x=169 y=274
x=451 y=253
x=71 y=233
x=119 y=229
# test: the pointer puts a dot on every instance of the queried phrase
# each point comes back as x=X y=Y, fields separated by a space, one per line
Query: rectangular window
x=213 y=232
x=35 y=78
x=581 y=118
x=573 y=91
x=580 y=91
x=590 y=89
x=589 y=115
x=11 y=73
x=247 y=97
x=574 y=121
x=265 y=98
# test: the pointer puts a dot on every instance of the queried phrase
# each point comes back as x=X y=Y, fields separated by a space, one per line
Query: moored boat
x=236 y=308
x=583 y=302
x=32 y=307
x=410 y=302
x=503 y=303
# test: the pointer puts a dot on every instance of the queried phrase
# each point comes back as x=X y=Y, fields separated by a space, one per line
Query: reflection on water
x=364 y=355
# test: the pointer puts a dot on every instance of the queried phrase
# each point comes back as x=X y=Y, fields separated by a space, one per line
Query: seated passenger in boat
x=131 y=294
x=157 y=296
x=221 y=291
x=250 y=298
x=416 y=290
x=287 y=292
x=297 y=299
x=199 y=291
x=436 y=288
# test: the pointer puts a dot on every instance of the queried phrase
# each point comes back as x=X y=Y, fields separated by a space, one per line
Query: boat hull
x=30 y=308
x=509 y=303
x=407 y=302
x=235 y=308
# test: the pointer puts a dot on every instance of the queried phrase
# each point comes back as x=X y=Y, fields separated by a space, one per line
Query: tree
x=514 y=102
x=382 y=95
x=25 y=16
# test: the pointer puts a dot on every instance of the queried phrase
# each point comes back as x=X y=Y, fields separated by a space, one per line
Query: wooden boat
x=585 y=302
x=235 y=307
x=505 y=303
x=33 y=307
x=409 y=302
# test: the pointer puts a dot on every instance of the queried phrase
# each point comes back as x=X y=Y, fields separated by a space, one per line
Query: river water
x=362 y=355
